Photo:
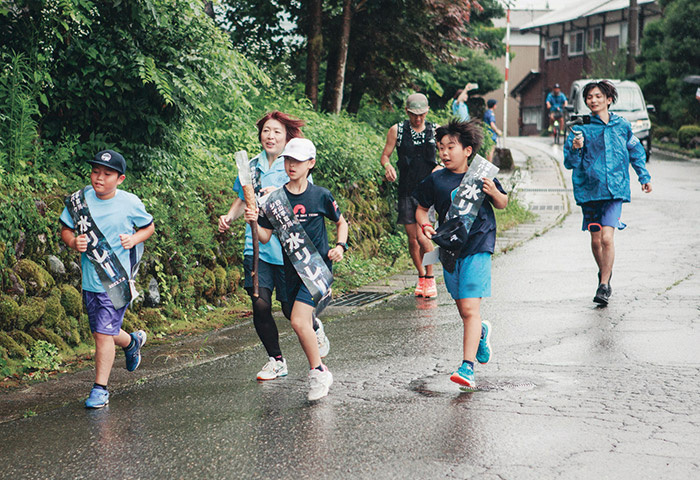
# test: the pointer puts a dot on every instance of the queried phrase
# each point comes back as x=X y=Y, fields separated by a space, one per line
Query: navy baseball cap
x=491 y=103
x=451 y=235
x=111 y=159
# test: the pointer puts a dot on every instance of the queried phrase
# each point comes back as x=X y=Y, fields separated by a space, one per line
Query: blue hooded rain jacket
x=601 y=167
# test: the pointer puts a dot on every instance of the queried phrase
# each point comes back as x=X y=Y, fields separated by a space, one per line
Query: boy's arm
x=141 y=235
x=385 y=159
x=498 y=199
x=336 y=254
x=423 y=220
x=78 y=243
x=638 y=157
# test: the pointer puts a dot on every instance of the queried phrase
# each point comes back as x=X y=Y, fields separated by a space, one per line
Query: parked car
x=630 y=105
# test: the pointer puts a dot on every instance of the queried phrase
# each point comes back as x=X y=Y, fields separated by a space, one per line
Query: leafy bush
x=686 y=134
x=43 y=358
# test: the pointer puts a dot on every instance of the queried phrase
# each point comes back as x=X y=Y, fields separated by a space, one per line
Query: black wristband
x=344 y=245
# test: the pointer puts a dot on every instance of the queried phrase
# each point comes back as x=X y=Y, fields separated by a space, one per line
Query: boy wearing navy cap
x=109 y=223
x=310 y=204
x=470 y=280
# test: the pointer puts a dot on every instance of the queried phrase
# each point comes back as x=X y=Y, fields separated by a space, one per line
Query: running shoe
x=98 y=398
x=602 y=295
x=483 y=354
x=324 y=345
x=133 y=354
x=429 y=287
x=464 y=376
x=319 y=383
x=272 y=369
x=418 y=292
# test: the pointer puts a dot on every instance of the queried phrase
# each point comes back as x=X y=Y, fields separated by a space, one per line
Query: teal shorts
x=471 y=277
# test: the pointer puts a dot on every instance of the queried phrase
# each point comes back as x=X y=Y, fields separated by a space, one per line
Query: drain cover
x=357 y=299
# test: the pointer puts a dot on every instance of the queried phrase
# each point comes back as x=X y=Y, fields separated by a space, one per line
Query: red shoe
x=429 y=288
x=419 y=287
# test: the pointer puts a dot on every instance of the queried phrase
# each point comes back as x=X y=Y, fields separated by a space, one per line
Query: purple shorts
x=602 y=213
x=101 y=314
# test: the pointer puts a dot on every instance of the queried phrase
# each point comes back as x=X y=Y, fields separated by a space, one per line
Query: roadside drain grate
x=357 y=299
x=547 y=207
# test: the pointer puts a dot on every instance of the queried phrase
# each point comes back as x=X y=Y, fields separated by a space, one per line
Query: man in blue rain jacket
x=600 y=155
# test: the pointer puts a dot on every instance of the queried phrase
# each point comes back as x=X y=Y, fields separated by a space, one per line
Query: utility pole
x=505 y=84
x=632 y=36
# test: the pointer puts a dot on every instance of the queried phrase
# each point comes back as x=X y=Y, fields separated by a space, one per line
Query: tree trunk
x=313 y=51
x=632 y=34
x=357 y=90
x=209 y=9
x=336 y=99
x=331 y=65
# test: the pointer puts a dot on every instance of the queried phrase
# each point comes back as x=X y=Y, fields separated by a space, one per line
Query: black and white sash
x=113 y=276
x=299 y=248
x=467 y=202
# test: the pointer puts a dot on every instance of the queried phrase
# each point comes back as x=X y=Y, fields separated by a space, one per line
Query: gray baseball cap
x=417 y=103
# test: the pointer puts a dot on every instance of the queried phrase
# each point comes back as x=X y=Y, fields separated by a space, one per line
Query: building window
x=595 y=39
x=551 y=49
x=532 y=116
x=575 y=43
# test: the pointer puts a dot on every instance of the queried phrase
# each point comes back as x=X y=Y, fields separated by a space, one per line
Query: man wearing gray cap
x=414 y=141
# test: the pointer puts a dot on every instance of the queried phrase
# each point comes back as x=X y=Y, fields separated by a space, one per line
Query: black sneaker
x=602 y=295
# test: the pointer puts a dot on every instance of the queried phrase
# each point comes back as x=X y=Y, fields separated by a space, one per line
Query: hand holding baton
x=244 y=175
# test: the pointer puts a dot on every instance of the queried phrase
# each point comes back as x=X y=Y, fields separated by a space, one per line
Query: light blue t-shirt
x=460 y=110
x=270 y=176
x=120 y=214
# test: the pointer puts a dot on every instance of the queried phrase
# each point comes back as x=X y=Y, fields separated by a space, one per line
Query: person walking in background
x=599 y=155
x=459 y=104
x=556 y=102
x=490 y=121
x=414 y=141
x=275 y=129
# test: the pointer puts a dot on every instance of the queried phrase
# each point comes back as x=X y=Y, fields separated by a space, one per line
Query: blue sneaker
x=133 y=355
x=483 y=354
x=464 y=376
x=98 y=398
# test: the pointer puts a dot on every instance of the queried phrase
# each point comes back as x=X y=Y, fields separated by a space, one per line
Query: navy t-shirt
x=310 y=208
x=439 y=188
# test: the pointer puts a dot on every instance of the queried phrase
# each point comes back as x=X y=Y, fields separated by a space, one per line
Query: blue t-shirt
x=120 y=214
x=556 y=101
x=270 y=176
x=311 y=208
x=489 y=117
x=460 y=110
x=439 y=188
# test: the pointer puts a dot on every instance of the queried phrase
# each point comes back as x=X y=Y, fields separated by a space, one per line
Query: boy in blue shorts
x=310 y=204
x=121 y=223
x=600 y=155
x=470 y=281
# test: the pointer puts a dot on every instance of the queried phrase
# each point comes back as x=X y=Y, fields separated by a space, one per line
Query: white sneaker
x=324 y=345
x=319 y=383
x=273 y=369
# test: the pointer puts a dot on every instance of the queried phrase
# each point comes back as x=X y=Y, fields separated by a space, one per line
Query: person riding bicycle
x=556 y=101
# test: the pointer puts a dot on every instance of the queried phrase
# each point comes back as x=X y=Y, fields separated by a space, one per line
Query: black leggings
x=264 y=322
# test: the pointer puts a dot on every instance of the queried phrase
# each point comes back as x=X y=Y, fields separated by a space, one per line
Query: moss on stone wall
x=13 y=348
x=37 y=280
x=71 y=300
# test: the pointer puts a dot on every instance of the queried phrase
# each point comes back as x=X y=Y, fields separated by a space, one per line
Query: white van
x=630 y=105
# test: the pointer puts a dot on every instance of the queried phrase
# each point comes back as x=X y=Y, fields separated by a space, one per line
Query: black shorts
x=270 y=276
x=407 y=210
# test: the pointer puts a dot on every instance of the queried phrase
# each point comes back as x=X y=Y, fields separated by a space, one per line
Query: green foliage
x=606 y=63
x=30 y=312
x=13 y=348
x=22 y=338
x=71 y=300
x=41 y=333
x=393 y=246
x=686 y=133
x=43 y=358
x=9 y=309
x=661 y=131
x=37 y=280
x=669 y=53
x=514 y=214
x=153 y=319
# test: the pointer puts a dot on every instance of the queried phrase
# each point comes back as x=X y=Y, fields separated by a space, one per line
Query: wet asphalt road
x=572 y=391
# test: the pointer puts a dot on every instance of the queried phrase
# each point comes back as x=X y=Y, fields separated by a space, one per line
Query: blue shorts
x=471 y=277
x=101 y=313
x=270 y=276
x=602 y=213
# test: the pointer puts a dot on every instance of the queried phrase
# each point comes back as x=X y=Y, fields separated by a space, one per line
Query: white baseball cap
x=301 y=149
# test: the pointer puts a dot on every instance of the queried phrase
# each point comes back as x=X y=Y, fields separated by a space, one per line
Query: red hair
x=291 y=124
